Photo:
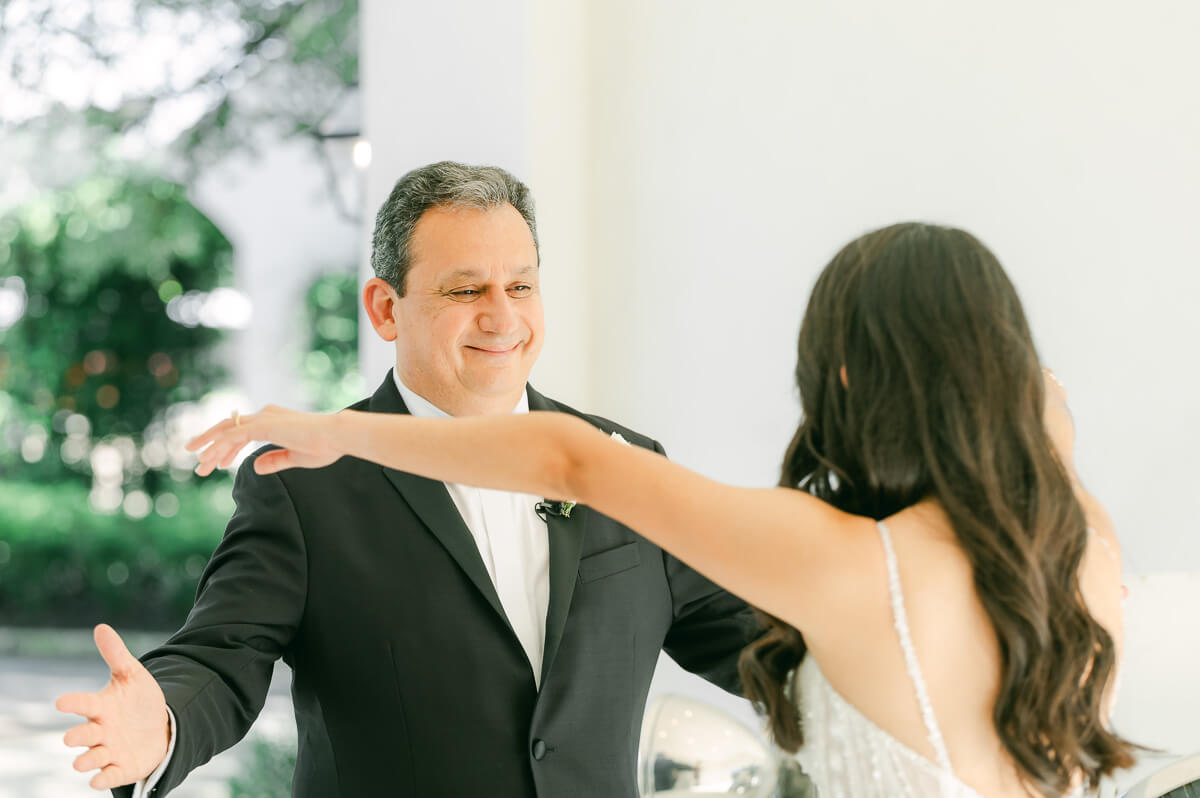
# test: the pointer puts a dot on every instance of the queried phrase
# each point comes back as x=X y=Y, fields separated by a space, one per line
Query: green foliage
x=94 y=359
x=63 y=564
x=245 y=67
x=331 y=366
x=268 y=773
x=98 y=264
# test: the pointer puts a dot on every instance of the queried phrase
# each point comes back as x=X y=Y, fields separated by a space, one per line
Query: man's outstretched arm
x=215 y=671
x=127 y=732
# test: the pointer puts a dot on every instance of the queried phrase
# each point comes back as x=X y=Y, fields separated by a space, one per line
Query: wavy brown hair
x=946 y=402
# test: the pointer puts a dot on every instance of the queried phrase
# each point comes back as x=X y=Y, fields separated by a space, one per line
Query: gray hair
x=446 y=183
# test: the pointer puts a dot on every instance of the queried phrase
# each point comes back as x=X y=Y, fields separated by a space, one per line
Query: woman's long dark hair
x=945 y=401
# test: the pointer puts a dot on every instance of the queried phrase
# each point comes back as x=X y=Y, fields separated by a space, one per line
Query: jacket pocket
x=607 y=563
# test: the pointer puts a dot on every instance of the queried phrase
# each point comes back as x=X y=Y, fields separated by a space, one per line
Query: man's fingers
x=111 y=776
x=88 y=734
x=86 y=704
x=95 y=757
x=115 y=654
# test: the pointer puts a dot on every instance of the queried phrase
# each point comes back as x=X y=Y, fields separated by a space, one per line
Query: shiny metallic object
x=690 y=748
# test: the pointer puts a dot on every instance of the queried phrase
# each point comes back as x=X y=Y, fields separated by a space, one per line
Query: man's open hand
x=128 y=729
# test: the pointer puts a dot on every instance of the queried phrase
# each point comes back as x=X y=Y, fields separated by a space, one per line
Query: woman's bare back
x=955 y=643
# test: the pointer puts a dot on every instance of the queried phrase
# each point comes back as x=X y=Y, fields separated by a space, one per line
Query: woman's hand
x=308 y=440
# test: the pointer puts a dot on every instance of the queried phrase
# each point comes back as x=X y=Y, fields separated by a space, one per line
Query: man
x=444 y=640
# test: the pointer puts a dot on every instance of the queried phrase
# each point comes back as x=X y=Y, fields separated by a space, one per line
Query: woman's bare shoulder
x=1100 y=578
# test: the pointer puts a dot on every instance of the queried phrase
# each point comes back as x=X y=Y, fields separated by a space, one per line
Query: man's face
x=469 y=326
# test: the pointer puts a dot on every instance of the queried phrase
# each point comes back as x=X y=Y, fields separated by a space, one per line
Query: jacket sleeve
x=215 y=671
x=710 y=626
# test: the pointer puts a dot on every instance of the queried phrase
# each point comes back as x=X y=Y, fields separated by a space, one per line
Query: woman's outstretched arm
x=779 y=549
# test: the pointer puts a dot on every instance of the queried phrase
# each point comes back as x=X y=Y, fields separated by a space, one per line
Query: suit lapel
x=432 y=503
x=566 y=540
x=565 y=543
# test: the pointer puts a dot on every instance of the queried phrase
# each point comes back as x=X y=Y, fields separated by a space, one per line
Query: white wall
x=505 y=84
x=276 y=211
x=744 y=143
x=440 y=81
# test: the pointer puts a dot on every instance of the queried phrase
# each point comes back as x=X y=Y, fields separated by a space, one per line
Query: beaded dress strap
x=1108 y=547
x=900 y=619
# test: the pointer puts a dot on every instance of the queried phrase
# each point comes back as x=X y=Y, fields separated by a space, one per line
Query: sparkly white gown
x=847 y=755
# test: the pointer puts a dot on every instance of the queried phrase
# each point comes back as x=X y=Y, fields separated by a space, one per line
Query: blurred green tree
x=267 y=771
x=110 y=289
x=175 y=85
x=110 y=309
x=111 y=282
x=331 y=366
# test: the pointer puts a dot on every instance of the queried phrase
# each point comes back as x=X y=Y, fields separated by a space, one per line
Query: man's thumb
x=113 y=649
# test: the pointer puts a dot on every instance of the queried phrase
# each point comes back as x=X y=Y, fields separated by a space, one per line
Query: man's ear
x=379 y=299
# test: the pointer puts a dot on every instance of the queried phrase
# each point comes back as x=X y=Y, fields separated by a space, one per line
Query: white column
x=505 y=84
x=440 y=81
x=285 y=231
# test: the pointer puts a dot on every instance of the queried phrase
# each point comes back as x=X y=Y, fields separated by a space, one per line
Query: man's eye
x=464 y=294
x=521 y=290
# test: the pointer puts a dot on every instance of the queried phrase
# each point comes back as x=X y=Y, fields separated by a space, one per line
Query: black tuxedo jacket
x=407 y=679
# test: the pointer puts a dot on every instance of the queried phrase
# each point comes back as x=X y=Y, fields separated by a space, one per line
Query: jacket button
x=539 y=749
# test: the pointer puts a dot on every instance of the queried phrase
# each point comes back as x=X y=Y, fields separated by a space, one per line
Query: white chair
x=1159 y=700
x=1180 y=779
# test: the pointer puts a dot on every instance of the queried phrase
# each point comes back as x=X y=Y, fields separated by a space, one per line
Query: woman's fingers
x=273 y=461
x=219 y=445
x=221 y=442
x=220 y=454
x=206 y=437
x=239 y=427
x=231 y=451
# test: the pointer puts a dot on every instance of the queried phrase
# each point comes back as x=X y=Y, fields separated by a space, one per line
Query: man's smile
x=495 y=350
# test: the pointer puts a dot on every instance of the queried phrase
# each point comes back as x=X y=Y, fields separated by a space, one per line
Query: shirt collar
x=421 y=407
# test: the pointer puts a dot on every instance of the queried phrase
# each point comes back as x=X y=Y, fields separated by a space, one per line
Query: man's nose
x=497 y=314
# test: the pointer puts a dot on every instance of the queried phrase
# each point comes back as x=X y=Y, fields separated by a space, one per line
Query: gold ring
x=237 y=419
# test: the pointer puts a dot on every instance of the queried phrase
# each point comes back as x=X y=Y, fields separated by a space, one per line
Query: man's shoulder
x=608 y=425
x=362 y=404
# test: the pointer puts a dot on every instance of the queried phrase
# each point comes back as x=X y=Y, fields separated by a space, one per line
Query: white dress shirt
x=143 y=788
x=513 y=543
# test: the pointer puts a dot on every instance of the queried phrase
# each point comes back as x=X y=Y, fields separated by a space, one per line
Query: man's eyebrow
x=474 y=275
